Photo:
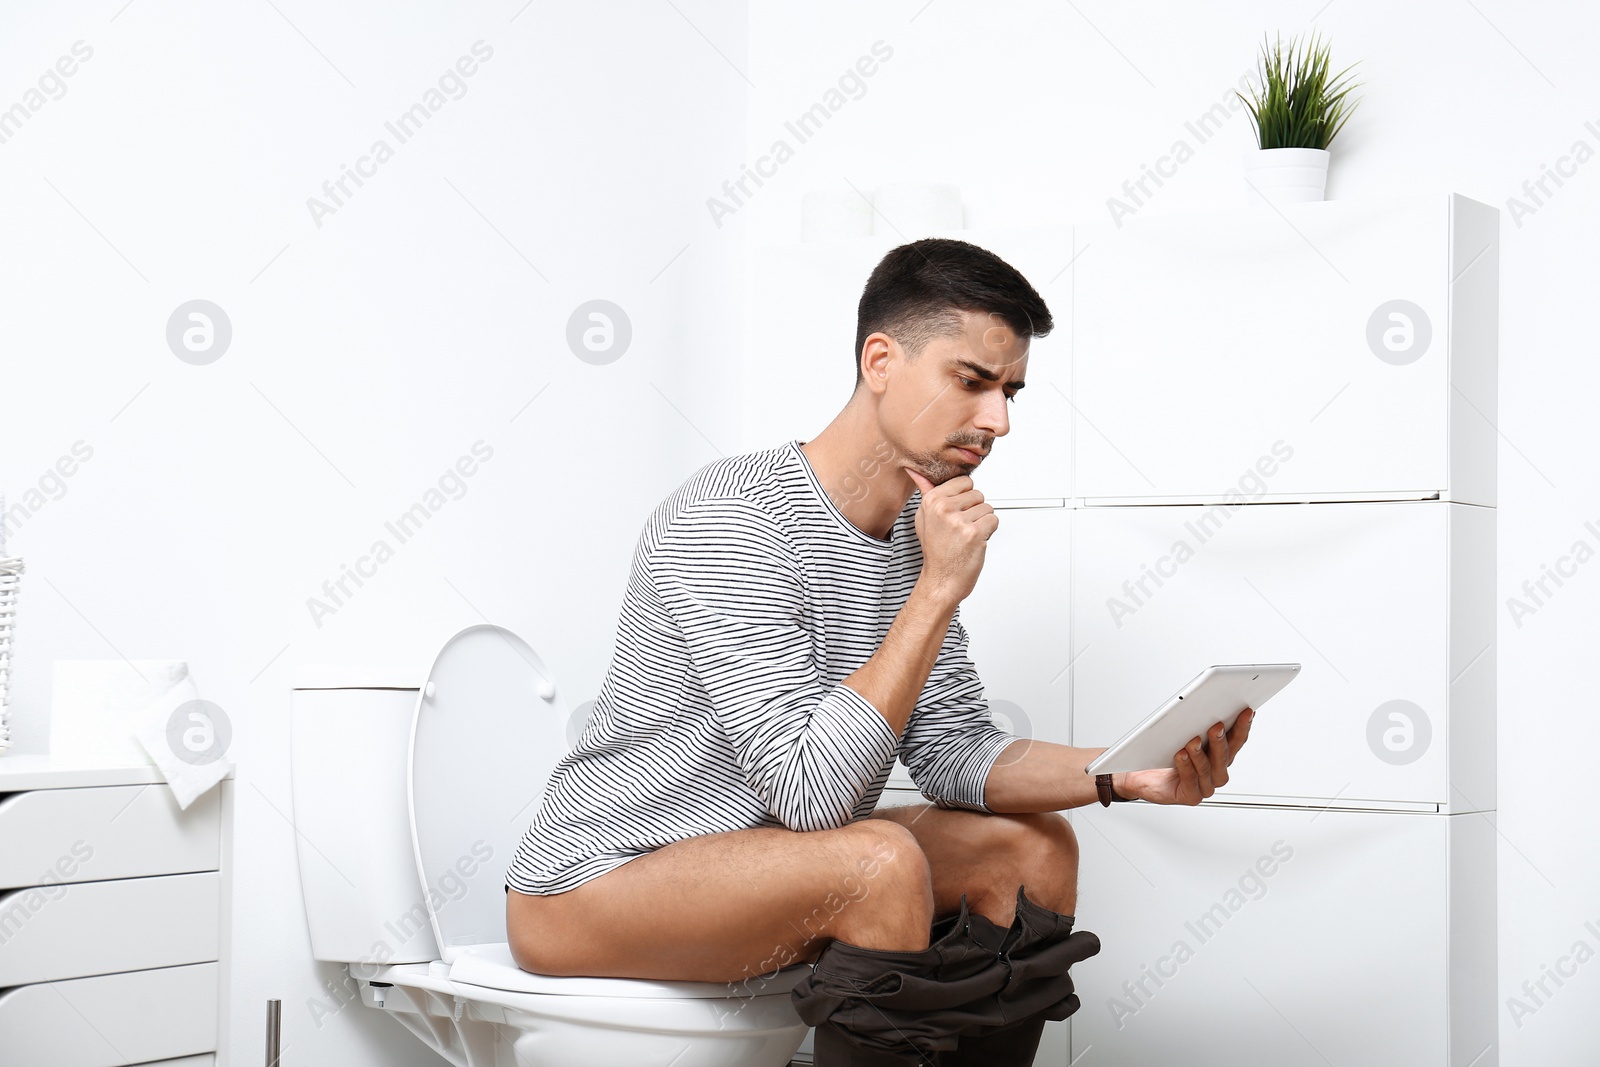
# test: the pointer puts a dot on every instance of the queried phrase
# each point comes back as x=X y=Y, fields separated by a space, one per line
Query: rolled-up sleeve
x=951 y=742
x=730 y=581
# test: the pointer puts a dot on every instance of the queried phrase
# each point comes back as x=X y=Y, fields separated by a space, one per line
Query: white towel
x=186 y=738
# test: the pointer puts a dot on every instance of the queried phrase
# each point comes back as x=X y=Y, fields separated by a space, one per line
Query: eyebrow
x=984 y=372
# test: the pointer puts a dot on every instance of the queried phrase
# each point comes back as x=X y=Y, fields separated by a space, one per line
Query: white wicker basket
x=10 y=577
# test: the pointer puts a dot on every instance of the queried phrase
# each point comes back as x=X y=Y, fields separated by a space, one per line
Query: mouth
x=969 y=455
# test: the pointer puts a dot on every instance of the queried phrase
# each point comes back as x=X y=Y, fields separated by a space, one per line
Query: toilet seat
x=472 y=1025
x=492 y=967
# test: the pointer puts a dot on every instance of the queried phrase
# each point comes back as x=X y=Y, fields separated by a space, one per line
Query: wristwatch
x=1102 y=784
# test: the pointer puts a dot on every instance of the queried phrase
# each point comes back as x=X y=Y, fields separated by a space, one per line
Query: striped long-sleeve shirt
x=751 y=598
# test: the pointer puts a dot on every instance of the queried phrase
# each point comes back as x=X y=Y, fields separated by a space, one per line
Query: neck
x=858 y=470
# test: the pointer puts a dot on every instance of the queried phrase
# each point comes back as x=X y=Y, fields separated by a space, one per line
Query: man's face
x=954 y=396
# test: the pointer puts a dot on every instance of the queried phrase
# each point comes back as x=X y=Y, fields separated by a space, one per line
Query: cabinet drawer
x=95 y=834
x=1181 y=321
x=1279 y=936
x=90 y=928
x=167 y=1015
x=1358 y=593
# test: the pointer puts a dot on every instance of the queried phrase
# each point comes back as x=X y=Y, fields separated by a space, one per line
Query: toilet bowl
x=410 y=796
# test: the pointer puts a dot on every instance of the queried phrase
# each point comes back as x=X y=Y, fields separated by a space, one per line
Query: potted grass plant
x=1296 y=109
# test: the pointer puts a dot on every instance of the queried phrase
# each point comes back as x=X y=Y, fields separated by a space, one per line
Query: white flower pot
x=1285 y=175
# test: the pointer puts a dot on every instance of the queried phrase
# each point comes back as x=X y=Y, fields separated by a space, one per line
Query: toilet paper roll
x=915 y=209
x=826 y=214
x=93 y=704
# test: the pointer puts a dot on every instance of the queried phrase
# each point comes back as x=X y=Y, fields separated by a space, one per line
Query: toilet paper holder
x=274 y=1034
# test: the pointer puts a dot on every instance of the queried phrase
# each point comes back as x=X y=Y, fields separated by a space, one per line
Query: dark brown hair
x=916 y=292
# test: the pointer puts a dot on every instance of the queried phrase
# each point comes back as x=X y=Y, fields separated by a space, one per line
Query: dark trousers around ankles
x=976 y=995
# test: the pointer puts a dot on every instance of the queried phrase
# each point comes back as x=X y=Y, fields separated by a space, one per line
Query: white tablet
x=1217 y=694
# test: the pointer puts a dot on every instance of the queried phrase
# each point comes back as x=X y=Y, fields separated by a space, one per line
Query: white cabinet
x=1359 y=334
x=1285 y=452
x=801 y=366
x=113 y=917
x=1386 y=606
x=1285 y=936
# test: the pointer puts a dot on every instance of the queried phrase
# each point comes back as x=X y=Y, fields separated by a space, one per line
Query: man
x=789 y=627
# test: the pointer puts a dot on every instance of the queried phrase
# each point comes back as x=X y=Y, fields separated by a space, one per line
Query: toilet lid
x=488 y=730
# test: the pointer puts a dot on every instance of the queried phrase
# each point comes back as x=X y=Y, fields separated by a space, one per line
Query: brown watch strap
x=1102 y=785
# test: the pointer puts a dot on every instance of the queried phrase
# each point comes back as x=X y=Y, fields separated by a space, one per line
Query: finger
x=964 y=501
x=1241 y=729
x=1220 y=757
x=1221 y=753
x=1236 y=737
x=1188 y=778
x=1202 y=764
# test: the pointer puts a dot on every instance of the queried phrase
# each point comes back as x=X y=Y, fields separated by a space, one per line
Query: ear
x=879 y=352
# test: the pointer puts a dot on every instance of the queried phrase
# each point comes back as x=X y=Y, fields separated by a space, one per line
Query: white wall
x=368 y=355
x=1041 y=111
x=372 y=352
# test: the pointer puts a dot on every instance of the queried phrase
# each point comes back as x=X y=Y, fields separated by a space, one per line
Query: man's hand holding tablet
x=1198 y=769
x=1222 y=701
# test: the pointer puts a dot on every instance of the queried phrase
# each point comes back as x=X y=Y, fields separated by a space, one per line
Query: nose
x=992 y=417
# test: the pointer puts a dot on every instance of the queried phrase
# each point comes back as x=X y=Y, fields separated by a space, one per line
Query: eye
x=1010 y=397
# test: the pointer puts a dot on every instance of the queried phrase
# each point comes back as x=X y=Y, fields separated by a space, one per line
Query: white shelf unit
x=1265 y=476
x=113 y=917
x=1225 y=379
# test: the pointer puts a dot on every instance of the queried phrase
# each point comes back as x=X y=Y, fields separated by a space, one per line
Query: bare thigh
x=725 y=907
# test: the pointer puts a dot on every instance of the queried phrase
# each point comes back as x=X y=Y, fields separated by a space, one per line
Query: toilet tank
x=349 y=734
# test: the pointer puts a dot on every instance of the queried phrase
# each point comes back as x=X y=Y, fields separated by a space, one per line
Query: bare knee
x=889 y=888
x=891 y=865
x=1039 y=851
x=1050 y=835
